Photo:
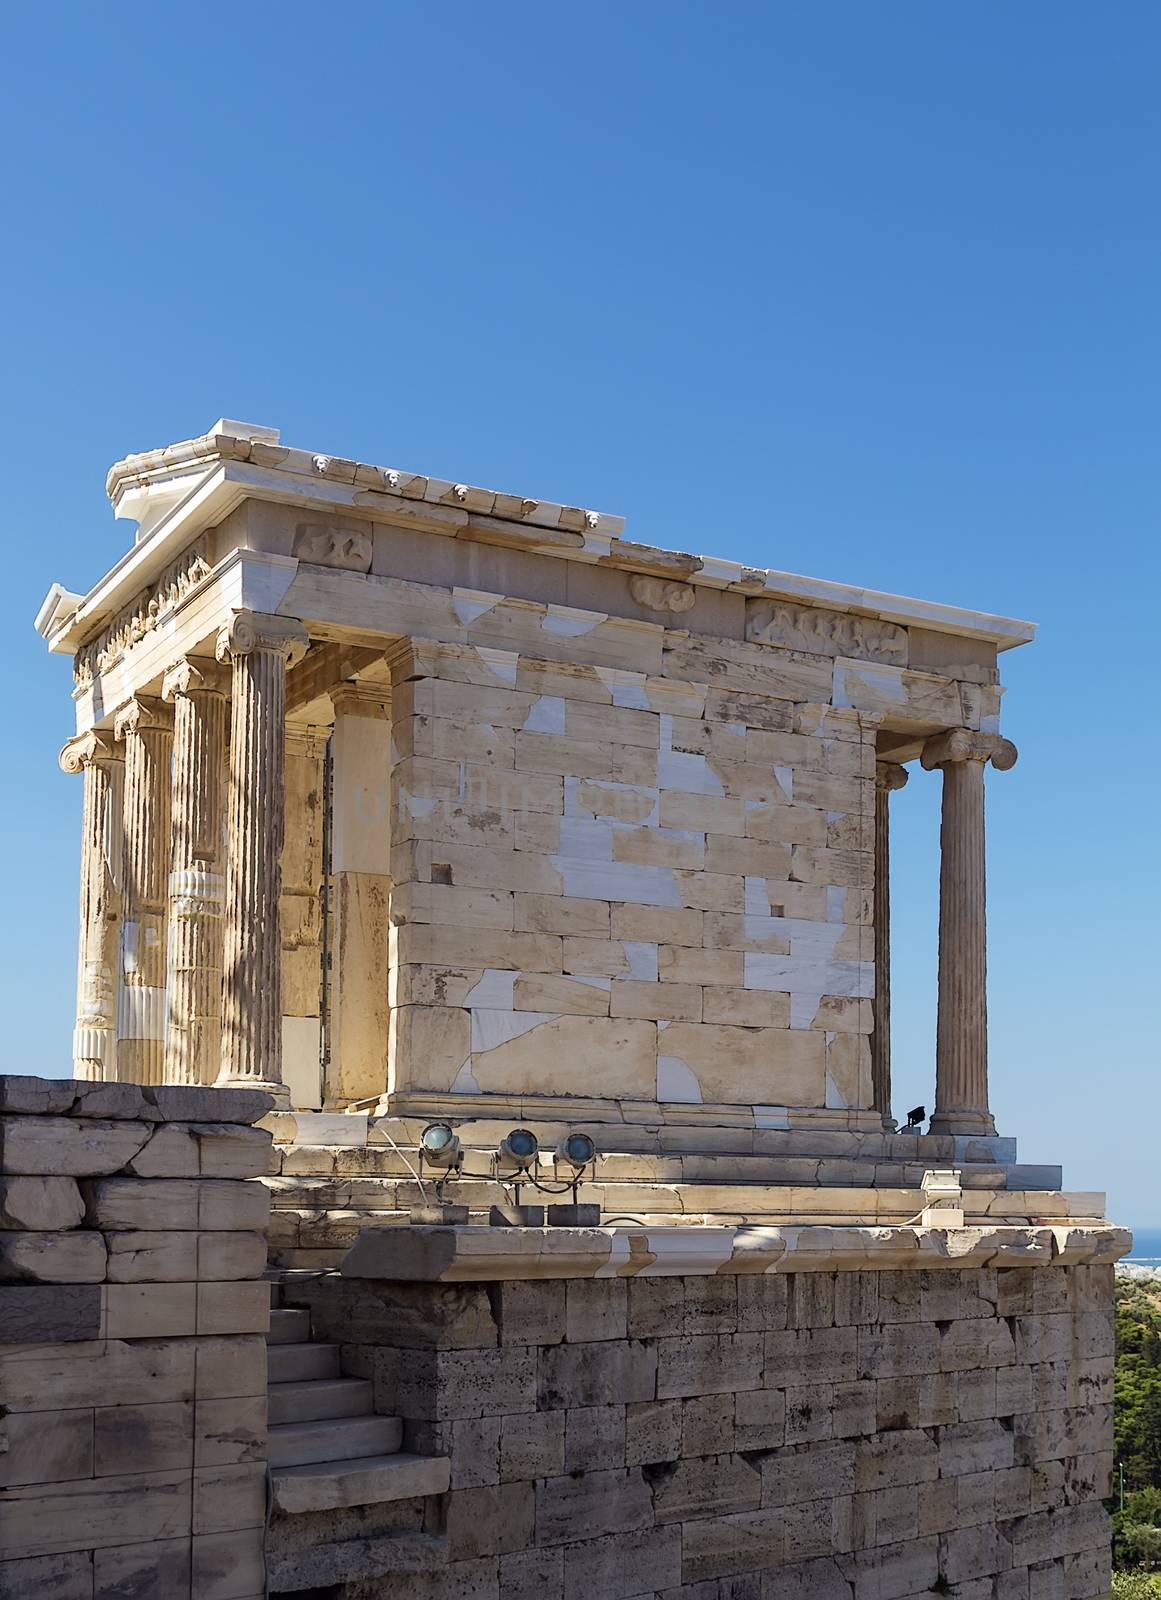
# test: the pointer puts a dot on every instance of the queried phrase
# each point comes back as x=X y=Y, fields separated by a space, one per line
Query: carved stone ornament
x=142 y=614
x=194 y=674
x=889 y=775
x=817 y=631
x=248 y=631
x=85 y=749
x=321 y=545
x=962 y=744
x=662 y=594
x=143 y=714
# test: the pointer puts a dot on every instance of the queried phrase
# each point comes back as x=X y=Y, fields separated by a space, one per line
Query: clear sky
x=866 y=292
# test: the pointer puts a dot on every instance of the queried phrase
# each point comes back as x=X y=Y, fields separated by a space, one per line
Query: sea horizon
x=1146 y=1249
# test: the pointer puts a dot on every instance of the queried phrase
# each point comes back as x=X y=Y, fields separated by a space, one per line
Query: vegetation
x=1137 y=1512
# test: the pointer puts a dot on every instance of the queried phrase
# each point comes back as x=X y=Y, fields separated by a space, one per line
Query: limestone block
x=208 y=1150
x=809 y=1413
x=984 y=1446
x=652 y=1431
x=592 y=1503
x=979 y=1342
x=152 y=1257
x=656 y=1306
x=49 y=1204
x=618 y=1055
x=490 y=1520
x=531 y=1445
x=228 y=1564
x=909 y=1568
x=810 y=1301
x=96 y=1372
x=813 y=1355
x=898 y=1351
x=709 y=1486
x=225 y=1498
x=233 y=1307
x=886 y=1516
x=596 y=1308
x=147 y=1205
x=711 y=1305
x=66 y=1147
x=804 y=1472
x=760 y=1420
x=230 y=1367
x=188 y=1102
x=449 y=1384
x=68 y=1576
x=707 y=1424
x=762 y=1303
x=532 y=1575
x=94 y=1512
x=532 y=1312
x=594 y=1438
x=606 y=1373
x=708 y=1364
x=142 y=1438
x=45 y=1447
x=36 y=1096
x=229 y=1432
x=76 y=1257
x=623 y=1564
x=150 y=1310
x=892 y=1459
x=743 y=1541
x=50 y=1312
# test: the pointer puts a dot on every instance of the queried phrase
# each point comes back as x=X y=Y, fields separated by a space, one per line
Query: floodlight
x=914 y=1117
x=519 y=1150
x=439 y=1146
x=575 y=1150
x=943 y=1199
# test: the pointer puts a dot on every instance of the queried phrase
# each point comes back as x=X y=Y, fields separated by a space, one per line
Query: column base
x=279 y=1092
x=964 y=1124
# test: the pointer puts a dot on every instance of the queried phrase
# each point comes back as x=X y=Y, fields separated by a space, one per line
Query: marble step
x=291 y=1363
x=289 y=1327
x=331 y=1439
x=331 y=1485
x=317 y=1398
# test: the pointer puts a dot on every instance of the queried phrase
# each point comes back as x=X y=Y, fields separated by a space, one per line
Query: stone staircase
x=328 y=1446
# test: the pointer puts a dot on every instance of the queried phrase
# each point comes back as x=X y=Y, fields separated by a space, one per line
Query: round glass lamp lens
x=580 y=1149
x=436 y=1138
x=522 y=1143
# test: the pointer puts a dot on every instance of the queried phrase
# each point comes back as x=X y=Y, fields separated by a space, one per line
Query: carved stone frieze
x=817 y=631
x=662 y=594
x=323 y=545
x=141 y=615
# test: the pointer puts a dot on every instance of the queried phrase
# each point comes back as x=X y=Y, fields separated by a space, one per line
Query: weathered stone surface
x=42 y=1203
x=586 y=1504
x=66 y=1576
x=206 y=1149
x=189 y=1102
x=41 y=1097
x=607 y=1373
x=175 y=1204
x=67 y=1147
x=43 y=1312
x=76 y=1257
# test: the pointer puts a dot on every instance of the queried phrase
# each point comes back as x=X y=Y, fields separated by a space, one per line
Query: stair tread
x=317 y=1399
x=363 y=1480
x=333 y=1439
x=314 y=1426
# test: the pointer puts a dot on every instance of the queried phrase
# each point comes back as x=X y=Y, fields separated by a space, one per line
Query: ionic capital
x=86 y=750
x=249 y=631
x=195 y=675
x=961 y=744
x=890 y=775
x=143 y=714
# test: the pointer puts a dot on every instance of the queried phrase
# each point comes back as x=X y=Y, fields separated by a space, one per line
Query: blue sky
x=866 y=292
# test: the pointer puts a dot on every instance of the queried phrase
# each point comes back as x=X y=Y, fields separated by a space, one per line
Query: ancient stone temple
x=517 y=861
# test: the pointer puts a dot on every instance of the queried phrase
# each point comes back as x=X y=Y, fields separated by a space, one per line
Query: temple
x=402 y=791
x=445 y=850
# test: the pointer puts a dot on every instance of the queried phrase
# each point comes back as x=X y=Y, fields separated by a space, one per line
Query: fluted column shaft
x=258 y=648
x=961 y=1047
x=193 y=1030
x=146 y=727
x=94 y=1039
x=888 y=777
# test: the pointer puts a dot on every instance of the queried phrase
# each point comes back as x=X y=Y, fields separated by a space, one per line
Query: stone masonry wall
x=132 y=1349
x=799 y=1436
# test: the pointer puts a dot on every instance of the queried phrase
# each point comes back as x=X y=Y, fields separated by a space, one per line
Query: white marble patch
x=682 y=769
x=469 y=604
x=785 y=776
x=836 y=902
x=569 y=623
x=757 y=899
x=642 y=959
x=676 y=1081
x=546 y=715
x=626 y=688
x=465 y=1082
x=771 y=1117
x=834 y=1095
x=502 y=663
x=491 y=1029
x=494 y=990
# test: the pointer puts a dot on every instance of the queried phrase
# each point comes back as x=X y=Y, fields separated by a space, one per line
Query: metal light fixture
x=575 y=1150
x=439 y=1146
x=942 y=1199
x=518 y=1151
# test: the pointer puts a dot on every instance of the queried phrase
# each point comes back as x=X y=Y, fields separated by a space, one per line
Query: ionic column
x=961 y=1048
x=94 y=1040
x=193 y=1025
x=146 y=727
x=259 y=648
x=889 y=776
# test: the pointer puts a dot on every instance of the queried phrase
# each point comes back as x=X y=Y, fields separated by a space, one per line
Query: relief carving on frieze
x=141 y=615
x=662 y=594
x=321 y=544
x=825 y=633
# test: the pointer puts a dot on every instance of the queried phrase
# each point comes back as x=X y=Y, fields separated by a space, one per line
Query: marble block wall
x=798 y=1435
x=132 y=1341
x=641 y=886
